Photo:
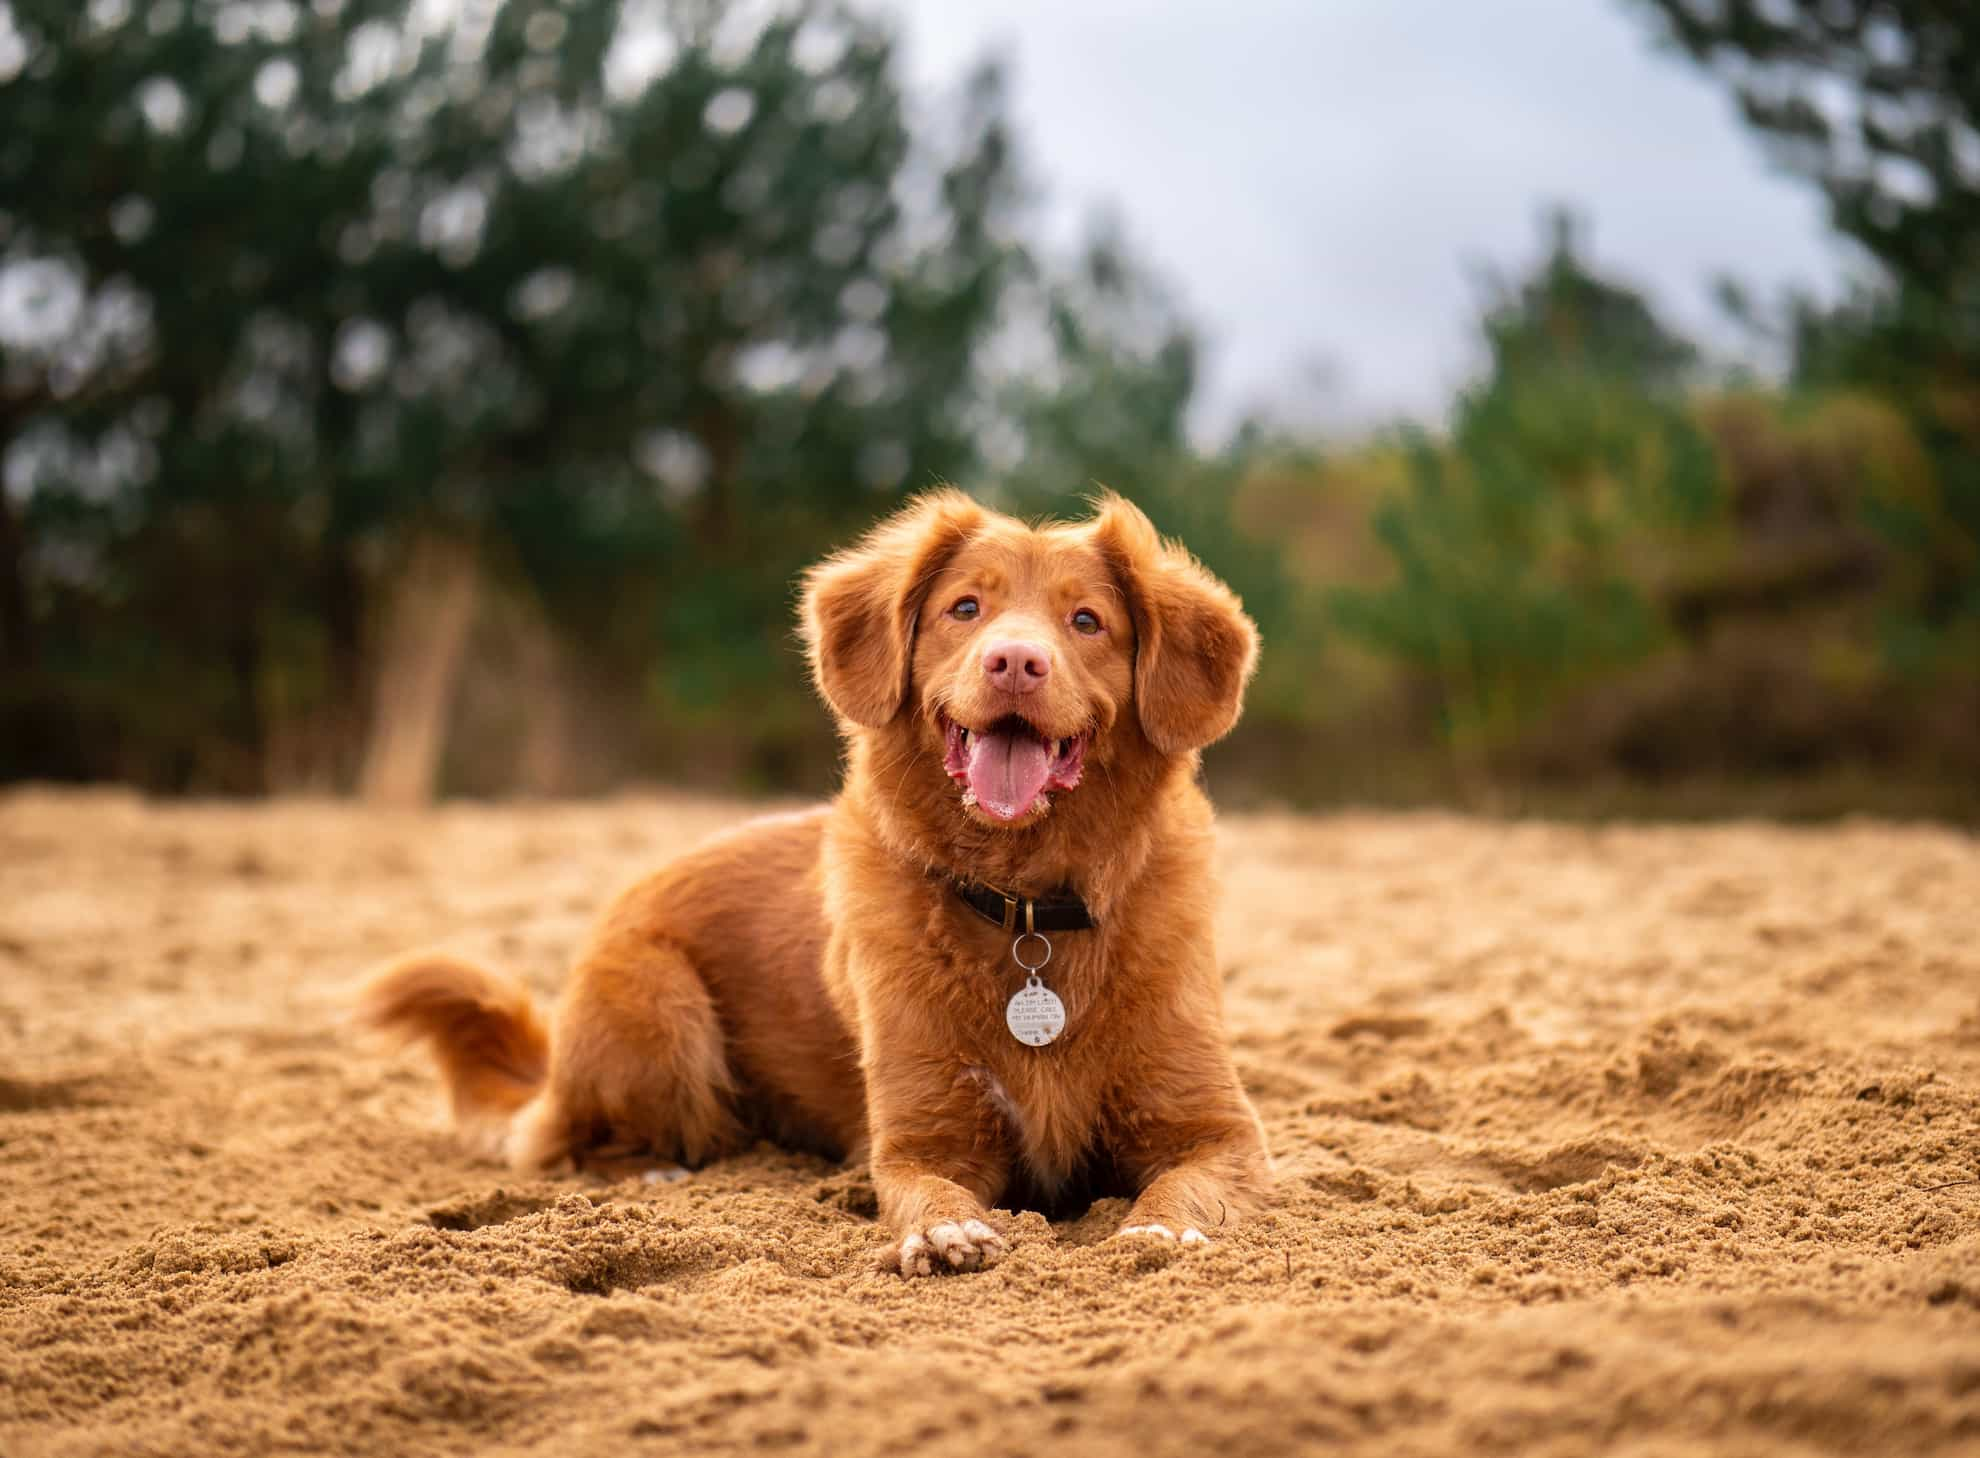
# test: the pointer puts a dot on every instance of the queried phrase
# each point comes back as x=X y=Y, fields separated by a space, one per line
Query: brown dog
x=1022 y=709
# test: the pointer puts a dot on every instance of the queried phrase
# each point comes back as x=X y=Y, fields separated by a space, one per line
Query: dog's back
x=707 y=970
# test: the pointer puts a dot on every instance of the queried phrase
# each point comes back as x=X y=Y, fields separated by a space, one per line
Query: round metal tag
x=1034 y=1014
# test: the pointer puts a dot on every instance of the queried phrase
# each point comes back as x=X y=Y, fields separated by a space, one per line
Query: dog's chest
x=1050 y=1114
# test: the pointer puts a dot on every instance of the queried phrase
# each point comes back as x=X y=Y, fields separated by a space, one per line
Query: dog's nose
x=1015 y=666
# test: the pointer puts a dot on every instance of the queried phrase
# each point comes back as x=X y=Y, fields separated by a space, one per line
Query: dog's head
x=1018 y=660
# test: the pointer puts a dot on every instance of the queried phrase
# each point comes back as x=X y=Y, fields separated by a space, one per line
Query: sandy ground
x=1616 y=1138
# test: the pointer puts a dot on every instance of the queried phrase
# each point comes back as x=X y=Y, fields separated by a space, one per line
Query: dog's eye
x=1086 y=621
x=963 y=609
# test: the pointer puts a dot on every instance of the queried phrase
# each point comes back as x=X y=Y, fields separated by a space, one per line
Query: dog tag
x=1034 y=1014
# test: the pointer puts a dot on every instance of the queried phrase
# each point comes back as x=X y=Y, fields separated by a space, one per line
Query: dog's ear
x=860 y=605
x=1194 y=647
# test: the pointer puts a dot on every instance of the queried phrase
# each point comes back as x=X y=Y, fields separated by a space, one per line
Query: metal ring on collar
x=1041 y=939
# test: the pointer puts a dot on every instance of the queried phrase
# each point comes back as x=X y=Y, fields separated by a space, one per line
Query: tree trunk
x=425 y=639
x=543 y=766
x=343 y=621
x=16 y=627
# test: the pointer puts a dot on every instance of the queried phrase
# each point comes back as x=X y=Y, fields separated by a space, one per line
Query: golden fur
x=813 y=979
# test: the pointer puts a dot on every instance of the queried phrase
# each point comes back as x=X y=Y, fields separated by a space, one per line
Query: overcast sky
x=1319 y=179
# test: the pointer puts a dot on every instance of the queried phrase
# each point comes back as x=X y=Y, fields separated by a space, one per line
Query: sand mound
x=1621 y=1138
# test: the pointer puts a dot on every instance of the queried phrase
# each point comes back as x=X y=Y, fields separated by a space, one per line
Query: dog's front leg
x=1192 y=1143
x=939 y=1160
x=1203 y=1191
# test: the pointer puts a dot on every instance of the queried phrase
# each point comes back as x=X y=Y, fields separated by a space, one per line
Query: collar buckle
x=1017 y=914
x=1011 y=904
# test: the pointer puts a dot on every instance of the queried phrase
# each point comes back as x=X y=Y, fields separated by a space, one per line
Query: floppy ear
x=1194 y=647
x=860 y=605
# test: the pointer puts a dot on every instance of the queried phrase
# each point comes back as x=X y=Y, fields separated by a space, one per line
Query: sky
x=1321 y=181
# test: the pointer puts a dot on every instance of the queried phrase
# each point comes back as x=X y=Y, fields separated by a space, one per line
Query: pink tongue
x=1006 y=772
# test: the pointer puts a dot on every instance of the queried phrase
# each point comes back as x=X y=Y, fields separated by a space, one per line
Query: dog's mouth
x=1008 y=769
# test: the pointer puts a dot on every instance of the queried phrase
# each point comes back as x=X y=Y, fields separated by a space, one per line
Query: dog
x=986 y=968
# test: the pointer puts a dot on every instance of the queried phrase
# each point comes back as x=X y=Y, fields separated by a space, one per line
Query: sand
x=1616 y=1138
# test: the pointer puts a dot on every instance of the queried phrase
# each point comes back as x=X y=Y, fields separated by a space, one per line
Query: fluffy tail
x=492 y=1048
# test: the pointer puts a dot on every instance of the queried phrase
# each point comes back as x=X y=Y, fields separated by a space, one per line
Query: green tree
x=1523 y=546
x=649 y=300
x=1878 y=102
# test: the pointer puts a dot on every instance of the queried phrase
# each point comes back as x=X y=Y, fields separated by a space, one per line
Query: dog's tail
x=483 y=1031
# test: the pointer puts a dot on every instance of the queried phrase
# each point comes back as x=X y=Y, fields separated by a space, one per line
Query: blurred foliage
x=1526 y=544
x=1878 y=101
x=639 y=307
x=1610 y=570
x=657 y=300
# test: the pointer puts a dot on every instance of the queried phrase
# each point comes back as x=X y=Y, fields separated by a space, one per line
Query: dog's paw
x=1190 y=1236
x=949 y=1245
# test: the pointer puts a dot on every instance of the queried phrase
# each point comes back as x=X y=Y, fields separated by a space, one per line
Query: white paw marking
x=915 y=1257
x=966 y=1245
x=1190 y=1236
x=665 y=1174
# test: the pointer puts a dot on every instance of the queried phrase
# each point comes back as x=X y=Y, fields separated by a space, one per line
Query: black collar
x=1062 y=911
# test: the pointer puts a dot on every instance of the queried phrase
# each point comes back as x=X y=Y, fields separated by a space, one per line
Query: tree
x=1522 y=547
x=647 y=299
x=1878 y=102
x=1105 y=368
